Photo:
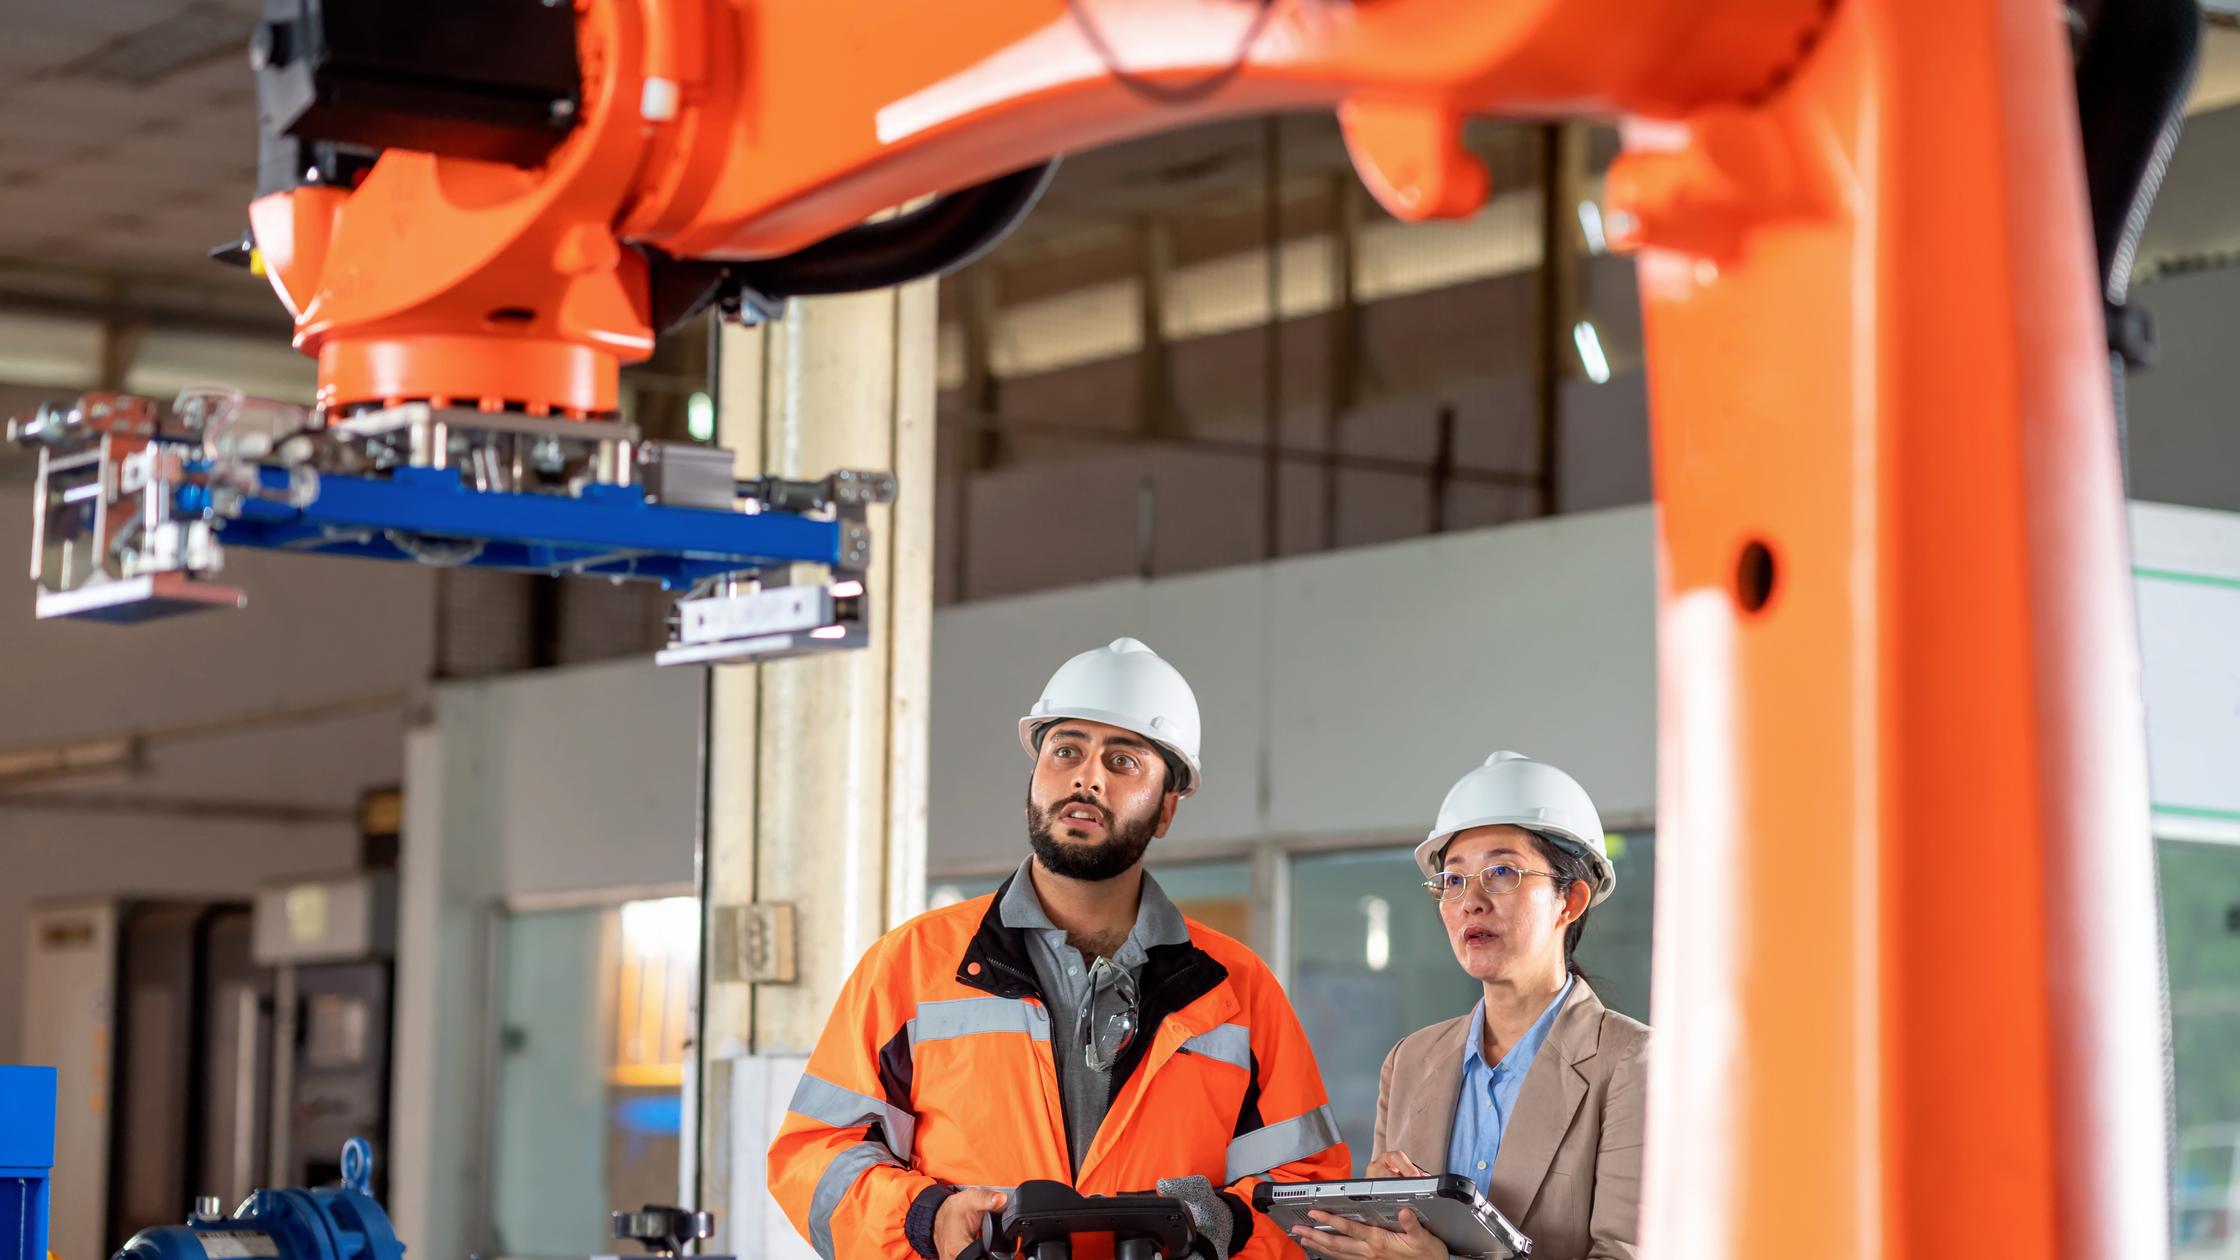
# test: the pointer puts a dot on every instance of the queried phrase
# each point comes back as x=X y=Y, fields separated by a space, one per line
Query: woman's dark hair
x=1569 y=866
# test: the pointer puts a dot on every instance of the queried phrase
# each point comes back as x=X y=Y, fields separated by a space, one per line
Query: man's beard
x=1123 y=846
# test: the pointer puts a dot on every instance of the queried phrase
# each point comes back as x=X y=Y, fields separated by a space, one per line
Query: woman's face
x=1512 y=935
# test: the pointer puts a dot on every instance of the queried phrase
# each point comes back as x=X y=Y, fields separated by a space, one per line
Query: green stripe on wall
x=2198 y=811
x=2197 y=579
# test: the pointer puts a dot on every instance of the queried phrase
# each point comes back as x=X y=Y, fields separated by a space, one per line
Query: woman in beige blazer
x=1536 y=1094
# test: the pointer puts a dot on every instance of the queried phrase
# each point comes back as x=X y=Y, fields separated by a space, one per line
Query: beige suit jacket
x=1569 y=1171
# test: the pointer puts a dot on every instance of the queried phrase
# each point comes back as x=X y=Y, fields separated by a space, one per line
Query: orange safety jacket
x=935 y=1071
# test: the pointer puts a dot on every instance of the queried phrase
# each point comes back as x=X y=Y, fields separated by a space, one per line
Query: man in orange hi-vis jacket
x=1072 y=1026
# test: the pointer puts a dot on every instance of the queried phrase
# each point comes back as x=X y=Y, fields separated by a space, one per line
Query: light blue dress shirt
x=1489 y=1094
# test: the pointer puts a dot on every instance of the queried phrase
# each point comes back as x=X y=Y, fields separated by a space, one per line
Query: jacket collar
x=1528 y=1047
x=1552 y=1093
x=1158 y=921
x=1575 y=1038
x=1175 y=974
x=996 y=959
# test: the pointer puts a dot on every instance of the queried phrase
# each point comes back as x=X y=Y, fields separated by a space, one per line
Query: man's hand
x=1396 y=1164
x=957 y=1225
x=1353 y=1240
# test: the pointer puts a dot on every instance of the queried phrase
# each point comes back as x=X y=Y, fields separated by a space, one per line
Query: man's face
x=1098 y=798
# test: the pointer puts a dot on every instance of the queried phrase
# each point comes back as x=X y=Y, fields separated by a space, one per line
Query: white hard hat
x=1127 y=685
x=1513 y=789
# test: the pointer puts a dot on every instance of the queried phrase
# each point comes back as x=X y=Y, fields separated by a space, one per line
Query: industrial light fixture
x=1376 y=946
x=1590 y=224
x=1591 y=358
x=700 y=417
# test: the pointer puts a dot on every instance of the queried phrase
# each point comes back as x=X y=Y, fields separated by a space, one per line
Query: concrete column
x=815 y=810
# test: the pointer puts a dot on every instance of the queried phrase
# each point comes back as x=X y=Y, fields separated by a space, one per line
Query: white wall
x=558 y=782
x=1342 y=693
x=2187 y=563
x=573 y=779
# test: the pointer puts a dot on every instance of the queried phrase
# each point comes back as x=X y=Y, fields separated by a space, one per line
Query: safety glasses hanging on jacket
x=1108 y=1020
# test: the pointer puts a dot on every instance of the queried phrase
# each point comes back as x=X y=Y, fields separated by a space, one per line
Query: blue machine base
x=607 y=530
x=324 y=1223
x=27 y=1100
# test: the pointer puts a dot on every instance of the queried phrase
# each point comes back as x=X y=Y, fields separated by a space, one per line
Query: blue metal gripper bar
x=607 y=530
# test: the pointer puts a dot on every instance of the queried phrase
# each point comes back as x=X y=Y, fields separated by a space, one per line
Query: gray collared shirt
x=1064 y=976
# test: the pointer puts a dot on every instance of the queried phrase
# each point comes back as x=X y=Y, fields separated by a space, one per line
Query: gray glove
x=1207 y=1211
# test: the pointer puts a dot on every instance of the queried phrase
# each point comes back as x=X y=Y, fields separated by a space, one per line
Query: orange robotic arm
x=1906 y=971
x=749 y=132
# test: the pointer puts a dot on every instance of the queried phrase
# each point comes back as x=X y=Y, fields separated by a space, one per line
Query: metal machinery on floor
x=338 y=1218
x=211 y=1047
x=1893 y=601
x=27 y=1101
x=333 y=1222
x=207 y=1047
x=311 y=1072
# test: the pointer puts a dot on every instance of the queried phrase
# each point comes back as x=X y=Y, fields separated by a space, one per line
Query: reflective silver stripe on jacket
x=827 y=1103
x=1230 y=1043
x=1281 y=1143
x=965 y=1017
x=840 y=1174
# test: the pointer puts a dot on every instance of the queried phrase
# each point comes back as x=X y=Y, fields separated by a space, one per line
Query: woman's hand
x=1395 y=1164
x=1353 y=1240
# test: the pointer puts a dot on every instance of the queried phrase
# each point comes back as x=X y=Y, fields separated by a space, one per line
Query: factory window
x=1369 y=965
x=658 y=949
x=1614 y=952
x=594 y=1016
x=1217 y=894
x=1370 y=962
x=2201 y=933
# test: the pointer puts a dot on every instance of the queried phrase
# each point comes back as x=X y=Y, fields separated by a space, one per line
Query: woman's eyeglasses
x=1499 y=880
